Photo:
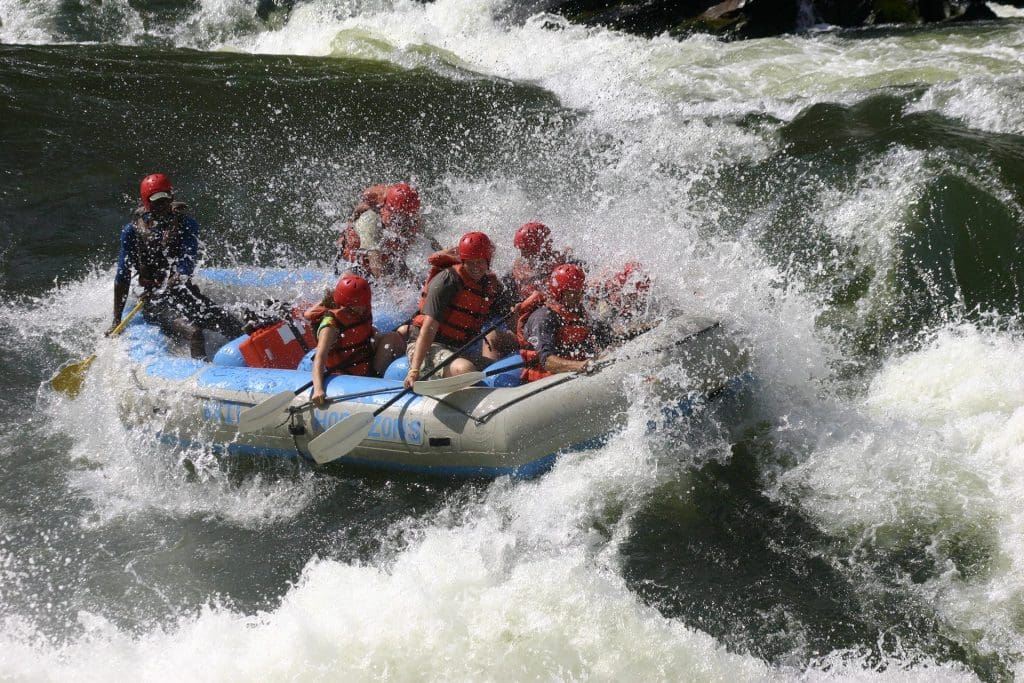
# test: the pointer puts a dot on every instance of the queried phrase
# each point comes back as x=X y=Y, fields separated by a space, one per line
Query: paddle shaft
x=128 y=318
x=68 y=379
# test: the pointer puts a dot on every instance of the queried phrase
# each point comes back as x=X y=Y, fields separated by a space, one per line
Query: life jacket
x=159 y=245
x=623 y=296
x=353 y=352
x=350 y=248
x=467 y=312
x=573 y=340
x=398 y=233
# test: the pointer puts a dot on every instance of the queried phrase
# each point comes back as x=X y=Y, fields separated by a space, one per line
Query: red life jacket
x=573 y=339
x=353 y=352
x=467 y=312
x=398 y=232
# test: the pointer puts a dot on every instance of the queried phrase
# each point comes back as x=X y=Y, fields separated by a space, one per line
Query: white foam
x=933 y=463
x=121 y=470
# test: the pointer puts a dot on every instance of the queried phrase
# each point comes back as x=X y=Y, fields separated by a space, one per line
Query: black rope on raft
x=297 y=428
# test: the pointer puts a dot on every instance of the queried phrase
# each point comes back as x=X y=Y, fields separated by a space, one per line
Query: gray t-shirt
x=440 y=292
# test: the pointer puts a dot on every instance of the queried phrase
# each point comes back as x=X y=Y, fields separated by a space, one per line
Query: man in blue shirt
x=160 y=245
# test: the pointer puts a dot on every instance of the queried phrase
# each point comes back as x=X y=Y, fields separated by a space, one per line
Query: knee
x=460 y=366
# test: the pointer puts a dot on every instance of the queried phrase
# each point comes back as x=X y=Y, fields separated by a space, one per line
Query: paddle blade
x=265 y=413
x=69 y=378
x=440 y=387
x=340 y=439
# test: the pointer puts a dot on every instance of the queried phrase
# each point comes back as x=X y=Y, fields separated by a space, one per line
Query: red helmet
x=155 y=184
x=476 y=245
x=401 y=198
x=566 y=277
x=352 y=290
x=532 y=238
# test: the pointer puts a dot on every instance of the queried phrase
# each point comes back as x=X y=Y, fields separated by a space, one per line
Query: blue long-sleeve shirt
x=127 y=258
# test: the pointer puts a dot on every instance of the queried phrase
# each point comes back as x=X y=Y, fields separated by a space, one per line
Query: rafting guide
x=161 y=244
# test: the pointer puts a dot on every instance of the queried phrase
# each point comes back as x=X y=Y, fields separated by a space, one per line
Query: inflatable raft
x=495 y=428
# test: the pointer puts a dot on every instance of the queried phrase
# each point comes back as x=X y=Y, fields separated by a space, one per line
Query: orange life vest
x=351 y=250
x=353 y=351
x=573 y=340
x=467 y=312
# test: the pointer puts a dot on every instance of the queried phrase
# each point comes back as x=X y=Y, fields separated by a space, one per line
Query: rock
x=759 y=18
x=265 y=8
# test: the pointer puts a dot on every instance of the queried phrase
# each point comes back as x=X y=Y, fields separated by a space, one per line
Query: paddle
x=597 y=365
x=446 y=385
x=594 y=368
x=269 y=411
x=341 y=438
x=266 y=412
x=69 y=378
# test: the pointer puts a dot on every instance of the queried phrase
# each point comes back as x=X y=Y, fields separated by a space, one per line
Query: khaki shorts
x=439 y=353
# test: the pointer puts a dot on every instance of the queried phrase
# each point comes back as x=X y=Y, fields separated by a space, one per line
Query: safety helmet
x=532 y=238
x=352 y=290
x=566 y=277
x=476 y=245
x=155 y=186
x=402 y=198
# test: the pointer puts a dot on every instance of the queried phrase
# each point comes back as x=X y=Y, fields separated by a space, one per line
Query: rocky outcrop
x=731 y=18
x=266 y=8
x=757 y=18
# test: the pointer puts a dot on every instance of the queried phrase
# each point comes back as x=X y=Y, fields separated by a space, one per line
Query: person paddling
x=347 y=341
x=556 y=334
x=454 y=306
x=161 y=244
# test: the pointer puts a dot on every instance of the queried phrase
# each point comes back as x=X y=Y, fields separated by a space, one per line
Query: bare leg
x=183 y=329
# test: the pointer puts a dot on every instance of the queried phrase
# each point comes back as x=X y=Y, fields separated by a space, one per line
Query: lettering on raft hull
x=384 y=428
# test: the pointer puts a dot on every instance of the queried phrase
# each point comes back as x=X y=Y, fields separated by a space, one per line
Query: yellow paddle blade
x=69 y=378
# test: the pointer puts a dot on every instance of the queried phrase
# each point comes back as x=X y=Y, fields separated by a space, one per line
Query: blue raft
x=493 y=429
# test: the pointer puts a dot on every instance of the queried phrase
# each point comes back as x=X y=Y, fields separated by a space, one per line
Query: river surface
x=849 y=204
